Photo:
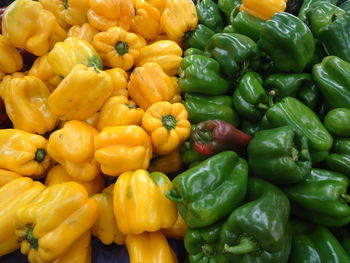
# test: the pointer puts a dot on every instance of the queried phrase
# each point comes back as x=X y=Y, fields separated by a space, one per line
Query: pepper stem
x=262 y=106
x=295 y=154
x=65 y=4
x=40 y=155
x=207 y=250
x=169 y=122
x=31 y=239
x=245 y=246
x=345 y=198
x=121 y=47
x=130 y=106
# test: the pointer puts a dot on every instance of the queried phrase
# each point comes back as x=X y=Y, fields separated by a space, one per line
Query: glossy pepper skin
x=11 y=60
x=208 y=13
x=247 y=24
x=234 y=52
x=307 y=5
x=27 y=96
x=201 y=108
x=199 y=37
x=39 y=28
x=167 y=126
x=14 y=195
x=337 y=122
x=149 y=248
x=79 y=160
x=339 y=159
x=263 y=9
x=288 y=42
x=229 y=8
x=105 y=227
x=189 y=154
x=224 y=175
x=314 y=243
x=332 y=78
x=65 y=55
x=167 y=53
x=7 y=176
x=279 y=155
x=290 y=111
x=140 y=203
x=23 y=152
x=250 y=98
x=123 y=148
x=54 y=220
x=119 y=81
x=201 y=74
x=66 y=101
x=85 y=32
x=321 y=198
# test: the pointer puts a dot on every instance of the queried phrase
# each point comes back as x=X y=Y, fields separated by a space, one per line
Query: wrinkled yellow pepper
x=149 y=84
x=23 y=152
x=105 y=227
x=146 y=21
x=167 y=125
x=179 y=17
x=73 y=148
x=170 y=163
x=117 y=111
x=177 y=230
x=118 y=48
x=13 y=196
x=43 y=70
x=123 y=148
x=119 y=81
x=58 y=175
x=26 y=102
x=10 y=59
x=149 y=248
x=109 y=13
x=8 y=176
x=85 y=32
x=159 y=4
x=140 y=203
x=81 y=94
x=167 y=53
x=28 y=25
x=65 y=55
x=263 y=9
x=54 y=220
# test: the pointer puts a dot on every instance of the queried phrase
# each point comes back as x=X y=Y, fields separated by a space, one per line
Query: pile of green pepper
x=268 y=159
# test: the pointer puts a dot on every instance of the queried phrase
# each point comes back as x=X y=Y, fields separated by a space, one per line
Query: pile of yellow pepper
x=101 y=100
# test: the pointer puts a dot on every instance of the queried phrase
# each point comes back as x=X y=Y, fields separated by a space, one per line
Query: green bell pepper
x=247 y=24
x=343 y=236
x=193 y=51
x=321 y=198
x=339 y=160
x=228 y=29
x=209 y=15
x=200 y=74
x=337 y=122
x=332 y=77
x=235 y=53
x=249 y=98
x=250 y=127
x=307 y=5
x=202 y=108
x=345 y=6
x=288 y=41
x=189 y=154
x=315 y=244
x=290 y=111
x=199 y=37
x=279 y=155
x=210 y=190
x=229 y=7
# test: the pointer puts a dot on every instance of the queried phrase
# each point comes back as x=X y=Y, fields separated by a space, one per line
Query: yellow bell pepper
x=123 y=148
x=79 y=251
x=119 y=81
x=179 y=17
x=177 y=230
x=54 y=220
x=93 y=120
x=167 y=125
x=8 y=176
x=28 y=25
x=26 y=102
x=13 y=196
x=73 y=148
x=117 y=111
x=149 y=248
x=81 y=94
x=159 y=4
x=167 y=53
x=85 y=32
x=10 y=60
x=149 y=84
x=146 y=21
x=65 y=55
x=23 y=152
x=105 y=227
x=118 y=48
x=140 y=203
x=71 y=12
x=58 y=175
x=109 y=13
x=43 y=70
x=170 y=163
x=263 y=9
